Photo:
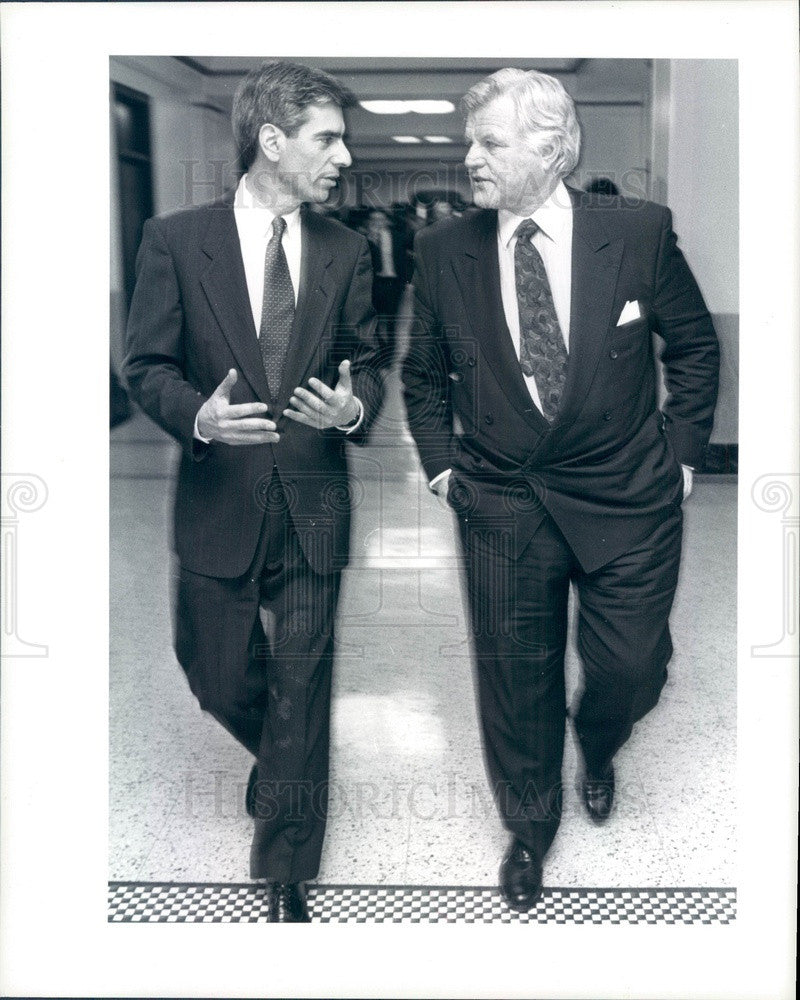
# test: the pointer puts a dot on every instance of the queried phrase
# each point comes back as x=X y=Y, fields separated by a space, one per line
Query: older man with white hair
x=532 y=396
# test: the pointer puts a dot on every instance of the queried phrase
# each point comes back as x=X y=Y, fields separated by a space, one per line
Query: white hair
x=545 y=111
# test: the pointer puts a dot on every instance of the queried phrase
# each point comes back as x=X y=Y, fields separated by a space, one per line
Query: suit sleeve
x=691 y=351
x=426 y=387
x=358 y=322
x=155 y=364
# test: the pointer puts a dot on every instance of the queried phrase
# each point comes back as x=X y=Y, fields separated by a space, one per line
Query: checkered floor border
x=166 y=902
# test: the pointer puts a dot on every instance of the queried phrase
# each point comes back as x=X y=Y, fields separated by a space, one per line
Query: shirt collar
x=553 y=217
x=257 y=216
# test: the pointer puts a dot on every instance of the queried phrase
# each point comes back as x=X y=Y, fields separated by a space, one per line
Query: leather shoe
x=286 y=903
x=598 y=794
x=520 y=877
x=250 y=794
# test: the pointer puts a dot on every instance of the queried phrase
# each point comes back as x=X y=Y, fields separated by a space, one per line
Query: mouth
x=474 y=179
x=330 y=178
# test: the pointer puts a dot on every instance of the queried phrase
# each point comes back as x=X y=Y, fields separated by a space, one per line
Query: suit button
x=613 y=355
x=606 y=415
x=477 y=460
x=489 y=419
x=471 y=362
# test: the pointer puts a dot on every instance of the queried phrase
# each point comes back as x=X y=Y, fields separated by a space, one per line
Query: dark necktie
x=277 y=311
x=542 y=352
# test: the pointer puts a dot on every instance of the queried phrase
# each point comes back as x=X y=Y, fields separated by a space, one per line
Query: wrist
x=351 y=413
x=200 y=431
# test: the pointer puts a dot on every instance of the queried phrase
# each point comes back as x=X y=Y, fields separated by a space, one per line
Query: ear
x=272 y=141
x=548 y=151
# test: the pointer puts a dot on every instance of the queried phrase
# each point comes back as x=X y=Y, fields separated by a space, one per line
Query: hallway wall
x=192 y=150
x=669 y=131
x=696 y=172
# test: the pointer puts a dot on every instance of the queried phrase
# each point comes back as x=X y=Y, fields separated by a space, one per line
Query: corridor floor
x=412 y=834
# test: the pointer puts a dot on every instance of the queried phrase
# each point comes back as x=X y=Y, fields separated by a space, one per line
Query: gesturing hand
x=234 y=423
x=325 y=407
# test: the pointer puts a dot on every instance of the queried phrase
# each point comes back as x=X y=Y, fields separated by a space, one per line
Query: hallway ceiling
x=616 y=81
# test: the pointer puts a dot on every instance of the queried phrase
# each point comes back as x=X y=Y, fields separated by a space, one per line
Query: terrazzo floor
x=409 y=801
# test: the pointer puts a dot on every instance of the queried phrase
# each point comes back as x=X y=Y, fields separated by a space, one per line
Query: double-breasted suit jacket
x=610 y=464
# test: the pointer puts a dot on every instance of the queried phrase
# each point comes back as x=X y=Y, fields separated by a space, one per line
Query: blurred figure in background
x=388 y=264
x=602 y=185
x=440 y=210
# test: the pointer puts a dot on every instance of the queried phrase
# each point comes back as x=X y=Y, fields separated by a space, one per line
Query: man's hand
x=325 y=407
x=440 y=486
x=238 y=423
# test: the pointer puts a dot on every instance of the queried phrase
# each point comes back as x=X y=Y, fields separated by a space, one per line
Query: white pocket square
x=629 y=312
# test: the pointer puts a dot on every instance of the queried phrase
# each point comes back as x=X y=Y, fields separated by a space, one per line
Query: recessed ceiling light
x=437 y=138
x=406 y=138
x=408 y=107
x=432 y=107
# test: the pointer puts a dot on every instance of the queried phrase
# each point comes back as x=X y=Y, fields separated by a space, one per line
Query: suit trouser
x=258 y=653
x=386 y=296
x=518 y=610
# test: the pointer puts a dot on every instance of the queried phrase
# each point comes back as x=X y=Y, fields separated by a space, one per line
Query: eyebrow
x=330 y=134
x=482 y=134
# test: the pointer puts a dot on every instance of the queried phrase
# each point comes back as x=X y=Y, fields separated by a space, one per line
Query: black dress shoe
x=250 y=794
x=286 y=903
x=520 y=877
x=598 y=794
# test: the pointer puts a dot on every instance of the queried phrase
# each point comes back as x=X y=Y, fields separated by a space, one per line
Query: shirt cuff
x=349 y=428
x=198 y=436
x=437 y=479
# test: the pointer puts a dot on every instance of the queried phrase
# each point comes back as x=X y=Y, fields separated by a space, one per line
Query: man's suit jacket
x=609 y=466
x=190 y=322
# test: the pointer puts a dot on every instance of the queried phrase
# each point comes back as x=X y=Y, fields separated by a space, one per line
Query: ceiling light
x=385 y=107
x=406 y=138
x=438 y=138
x=432 y=107
x=408 y=107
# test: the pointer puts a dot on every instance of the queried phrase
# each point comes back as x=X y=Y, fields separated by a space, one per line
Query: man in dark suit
x=251 y=341
x=531 y=392
x=388 y=266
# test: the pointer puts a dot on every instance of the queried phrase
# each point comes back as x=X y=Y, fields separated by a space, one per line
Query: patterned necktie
x=277 y=311
x=542 y=353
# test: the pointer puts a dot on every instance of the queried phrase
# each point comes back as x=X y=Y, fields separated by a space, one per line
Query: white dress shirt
x=387 y=262
x=554 y=243
x=254 y=226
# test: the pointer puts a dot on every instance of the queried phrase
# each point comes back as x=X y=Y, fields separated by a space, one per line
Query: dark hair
x=602 y=185
x=279 y=93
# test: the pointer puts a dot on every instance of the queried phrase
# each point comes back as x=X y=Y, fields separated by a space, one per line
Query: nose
x=473 y=157
x=342 y=157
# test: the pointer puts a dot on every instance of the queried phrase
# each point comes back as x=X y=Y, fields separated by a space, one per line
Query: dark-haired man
x=251 y=341
x=531 y=393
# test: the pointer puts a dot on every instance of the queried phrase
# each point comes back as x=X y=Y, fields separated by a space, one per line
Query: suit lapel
x=478 y=275
x=595 y=267
x=314 y=303
x=225 y=286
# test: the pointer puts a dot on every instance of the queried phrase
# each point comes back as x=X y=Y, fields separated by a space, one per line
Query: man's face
x=312 y=158
x=506 y=170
